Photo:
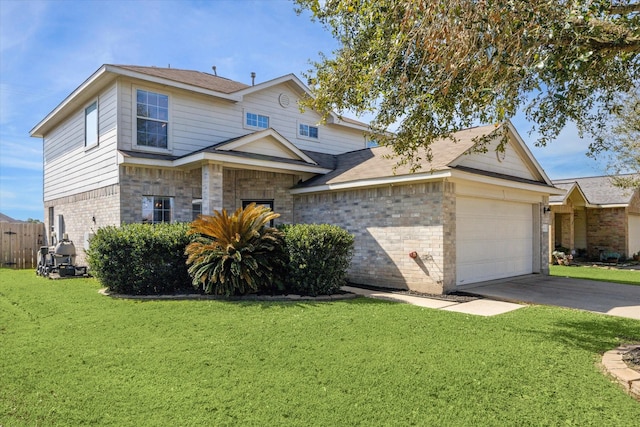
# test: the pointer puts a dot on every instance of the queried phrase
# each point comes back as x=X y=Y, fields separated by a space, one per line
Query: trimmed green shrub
x=141 y=259
x=237 y=254
x=319 y=256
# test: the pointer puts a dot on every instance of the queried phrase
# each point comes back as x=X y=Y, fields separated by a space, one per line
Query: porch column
x=212 y=186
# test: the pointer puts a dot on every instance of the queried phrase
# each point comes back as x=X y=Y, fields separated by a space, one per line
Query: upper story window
x=152 y=119
x=257 y=121
x=308 y=131
x=91 y=124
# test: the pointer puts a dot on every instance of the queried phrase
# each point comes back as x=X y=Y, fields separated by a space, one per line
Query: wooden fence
x=19 y=244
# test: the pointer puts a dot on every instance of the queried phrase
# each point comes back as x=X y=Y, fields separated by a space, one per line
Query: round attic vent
x=283 y=99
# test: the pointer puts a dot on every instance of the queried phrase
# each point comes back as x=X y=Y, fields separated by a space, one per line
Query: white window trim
x=134 y=121
x=95 y=144
x=244 y=119
x=308 y=138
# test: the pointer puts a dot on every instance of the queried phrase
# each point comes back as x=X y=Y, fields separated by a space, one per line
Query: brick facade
x=136 y=182
x=388 y=224
x=85 y=213
x=247 y=185
x=606 y=230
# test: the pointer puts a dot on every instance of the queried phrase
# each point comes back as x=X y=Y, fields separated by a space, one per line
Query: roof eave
x=104 y=75
x=452 y=174
x=197 y=159
x=40 y=129
x=168 y=82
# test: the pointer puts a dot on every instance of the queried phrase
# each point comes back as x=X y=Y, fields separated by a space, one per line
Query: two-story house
x=148 y=144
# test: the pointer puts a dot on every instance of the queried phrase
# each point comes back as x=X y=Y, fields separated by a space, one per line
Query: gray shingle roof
x=599 y=190
x=190 y=77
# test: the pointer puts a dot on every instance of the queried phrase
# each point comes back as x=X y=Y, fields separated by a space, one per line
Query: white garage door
x=494 y=239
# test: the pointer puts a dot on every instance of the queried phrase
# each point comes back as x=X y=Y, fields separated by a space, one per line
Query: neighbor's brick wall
x=242 y=185
x=389 y=223
x=78 y=212
x=136 y=182
x=606 y=229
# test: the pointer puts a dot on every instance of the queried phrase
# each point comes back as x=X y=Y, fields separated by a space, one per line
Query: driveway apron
x=600 y=297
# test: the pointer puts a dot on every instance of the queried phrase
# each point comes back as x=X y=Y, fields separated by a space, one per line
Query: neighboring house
x=147 y=144
x=596 y=216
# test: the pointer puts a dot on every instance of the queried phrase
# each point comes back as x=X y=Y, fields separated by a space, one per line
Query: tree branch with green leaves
x=435 y=67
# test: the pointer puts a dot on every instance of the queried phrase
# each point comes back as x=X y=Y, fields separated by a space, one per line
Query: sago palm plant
x=237 y=254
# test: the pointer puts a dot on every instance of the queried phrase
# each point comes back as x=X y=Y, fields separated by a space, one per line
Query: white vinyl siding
x=197 y=121
x=512 y=163
x=68 y=167
x=494 y=239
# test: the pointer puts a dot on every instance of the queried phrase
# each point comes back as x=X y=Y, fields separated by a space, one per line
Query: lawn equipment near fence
x=59 y=260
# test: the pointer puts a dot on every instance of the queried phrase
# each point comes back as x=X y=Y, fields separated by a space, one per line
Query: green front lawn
x=69 y=356
x=630 y=277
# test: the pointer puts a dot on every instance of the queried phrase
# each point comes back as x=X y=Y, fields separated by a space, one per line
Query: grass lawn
x=69 y=356
x=630 y=277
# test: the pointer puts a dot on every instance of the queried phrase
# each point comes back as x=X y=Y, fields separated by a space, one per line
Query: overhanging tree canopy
x=436 y=67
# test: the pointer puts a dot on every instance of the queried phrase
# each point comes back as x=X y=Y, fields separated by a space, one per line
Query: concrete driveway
x=601 y=297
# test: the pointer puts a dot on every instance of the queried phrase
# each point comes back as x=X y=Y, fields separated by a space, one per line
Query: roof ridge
x=155 y=67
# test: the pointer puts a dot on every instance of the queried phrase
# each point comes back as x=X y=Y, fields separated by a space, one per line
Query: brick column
x=212 y=186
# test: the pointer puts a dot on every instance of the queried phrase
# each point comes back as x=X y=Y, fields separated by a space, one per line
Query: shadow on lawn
x=596 y=336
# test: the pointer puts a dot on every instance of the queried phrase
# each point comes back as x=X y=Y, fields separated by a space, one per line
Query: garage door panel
x=494 y=239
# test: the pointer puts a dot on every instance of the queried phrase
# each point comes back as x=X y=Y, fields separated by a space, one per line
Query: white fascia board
x=267 y=132
x=172 y=83
x=141 y=161
x=483 y=179
x=374 y=182
x=612 y=205
x=240 y=162
x=93 y=78
x=243 y=162
x=334 y=119
x=528 y=152
x=274 y=82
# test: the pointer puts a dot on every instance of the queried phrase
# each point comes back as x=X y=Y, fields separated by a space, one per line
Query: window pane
x=142 y=97
x=147 y=209
x=152 y=98
x=263 y=122
x=313 y=132
x=252 y=119
x=196 y=209
x=91 y=124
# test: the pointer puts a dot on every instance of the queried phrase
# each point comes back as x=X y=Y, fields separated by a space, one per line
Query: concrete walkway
x=479 y=307
x=600 y=297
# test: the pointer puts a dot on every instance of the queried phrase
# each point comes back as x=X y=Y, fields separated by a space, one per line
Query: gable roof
x=597 y=191
x=373 y=166
x=265 y=149
x=189 y=77
x=194 y=81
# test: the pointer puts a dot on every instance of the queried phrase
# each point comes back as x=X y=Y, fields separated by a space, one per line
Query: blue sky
x=48 y=48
